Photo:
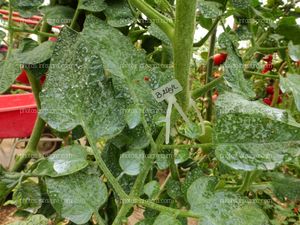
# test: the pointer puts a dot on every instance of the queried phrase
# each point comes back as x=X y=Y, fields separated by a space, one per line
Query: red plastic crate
x=17 y=115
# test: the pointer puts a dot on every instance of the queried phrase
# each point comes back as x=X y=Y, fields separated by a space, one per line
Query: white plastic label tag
x=164 y=92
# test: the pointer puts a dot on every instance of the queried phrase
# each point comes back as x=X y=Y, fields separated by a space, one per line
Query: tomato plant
x=128 y=77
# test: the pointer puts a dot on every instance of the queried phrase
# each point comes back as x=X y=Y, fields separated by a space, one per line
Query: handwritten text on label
x=165 y=91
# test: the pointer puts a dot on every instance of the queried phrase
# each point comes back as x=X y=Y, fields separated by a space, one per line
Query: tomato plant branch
x=161 y=208
x=21 y=30
x=160 y=20
x=183 y=46
x=112 y=180
x=261 y=74
x=31 y=148
x=270 y=50
x=140 y=180
x=99 y=219
x=248 y=179
x=75 y=17
x=210 y=65
x=276 y=93
x=202 y=90
x=10 y=32
x=276 y=86
x=44 y=29
x=36 y=87
x=209 y=33
x=187 y=146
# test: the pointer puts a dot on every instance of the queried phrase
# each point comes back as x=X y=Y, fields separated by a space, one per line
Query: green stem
x=276 y=93
x=173 y=167
x=249 y=53
x=205 y=38
x=99 y=219
x=201 y=91
x=270 y=50
x=183 y=47
x=161 y=208
x=110 y=177
x=139 y=182
x=261 y=74
x=36 y=87
x=186 y=146
x=44 y=29
x=160 y=20
x=249 y=178
x=75 y=17
x=31 y=148
x=21 y=30
x=10 y=32
x=210 y=65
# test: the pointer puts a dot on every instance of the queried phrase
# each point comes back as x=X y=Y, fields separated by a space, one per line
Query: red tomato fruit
x=53 y=39
x=22 y=78
x=270 y=90
x=3 y=48
x=267 y=101
x=268 y=58
x=42 y=79
x=279 y=100
x=219 y=58
x=268 y=67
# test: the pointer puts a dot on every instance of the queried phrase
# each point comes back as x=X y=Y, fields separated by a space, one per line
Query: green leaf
x=78 y=196
x=291 y=83
x=166 y=219
x=190 y=130
x=210 y=9
x=162 y=160
x=92 y=5
x=241 y=4
x=243 y=33
x=36 y=55
x=133 y=116
x=131 y=162
x=58 y=14
x=33 y=220
x=252 y=136
x=294 y=51
x=289 y=28
x=83 y=96
x=155 y=31
x=8 y=181
x=181 y=155
x=174 y=188
x=63 y=162
x=26 y=8
x=285 y=187
x=118 y=14
x=132 y=138
x=9 y=71
x=234 y=73
x=222 y=207
x=127 y=66
x=27 y=196
x=191 y=176
x=151 y=189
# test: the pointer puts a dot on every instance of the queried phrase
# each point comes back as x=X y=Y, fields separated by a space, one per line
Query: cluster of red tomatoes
x=270 y=92
x=269 y=66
